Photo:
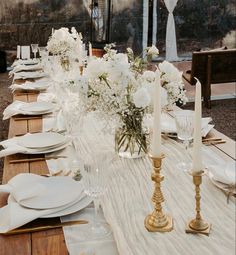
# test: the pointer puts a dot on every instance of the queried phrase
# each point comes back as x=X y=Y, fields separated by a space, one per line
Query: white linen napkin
x=11 y=147
x=168 y=124
x=14 y=215
x=225 y=173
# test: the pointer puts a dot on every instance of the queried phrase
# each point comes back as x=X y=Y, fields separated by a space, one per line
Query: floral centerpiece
x=66 y=44
x=121 y=92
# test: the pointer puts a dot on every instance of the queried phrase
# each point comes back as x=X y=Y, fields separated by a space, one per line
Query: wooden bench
x=212 y=67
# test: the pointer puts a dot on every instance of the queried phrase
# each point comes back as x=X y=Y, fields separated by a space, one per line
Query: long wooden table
x=49 y=242
x=52 y=242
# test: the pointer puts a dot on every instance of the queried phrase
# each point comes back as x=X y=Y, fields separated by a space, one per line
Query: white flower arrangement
x=65 y=42
x=172 y=81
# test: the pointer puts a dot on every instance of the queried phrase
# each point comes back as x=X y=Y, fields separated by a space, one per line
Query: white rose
x=149 y=76
x=153 y=51
x=141 y=98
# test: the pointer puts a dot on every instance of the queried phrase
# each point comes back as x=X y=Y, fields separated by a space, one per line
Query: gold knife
x=41 y=228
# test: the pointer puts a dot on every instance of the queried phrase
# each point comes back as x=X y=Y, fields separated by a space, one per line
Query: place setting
x=25 y=109
x=224 y=181
x=37 y=143
x=31 y=86
x=24 y=68
x=29 y=75
x=32 y=196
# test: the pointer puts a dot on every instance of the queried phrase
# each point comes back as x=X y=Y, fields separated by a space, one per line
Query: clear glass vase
x=131 y=143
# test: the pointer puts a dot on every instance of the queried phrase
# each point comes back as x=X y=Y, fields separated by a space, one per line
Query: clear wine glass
x=34 y=48
x=184 y=126
x=95 y=176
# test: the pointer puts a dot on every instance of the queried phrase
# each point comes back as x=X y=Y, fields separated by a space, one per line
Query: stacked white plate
x=43 y=142
x=29 y=75
x=36 y=108
x=61 y=195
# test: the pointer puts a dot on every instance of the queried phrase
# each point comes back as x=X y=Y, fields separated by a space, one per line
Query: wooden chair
x=212 y=67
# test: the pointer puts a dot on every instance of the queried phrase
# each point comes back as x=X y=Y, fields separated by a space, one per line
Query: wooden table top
x=51 y=242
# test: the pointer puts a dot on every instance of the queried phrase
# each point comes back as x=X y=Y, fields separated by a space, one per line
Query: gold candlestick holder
x=198 y=225
x=158 y=221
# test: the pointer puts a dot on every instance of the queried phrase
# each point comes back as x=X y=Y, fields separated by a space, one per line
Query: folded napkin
x=37 y=85
x=168 y=124
x=20 y=68
x=11 y=147
x=225 y=173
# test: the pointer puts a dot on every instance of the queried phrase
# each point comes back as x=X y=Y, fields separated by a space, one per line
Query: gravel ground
x=5 y=99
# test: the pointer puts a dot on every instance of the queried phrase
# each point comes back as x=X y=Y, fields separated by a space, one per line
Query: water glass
x=95 y=177
x=184 y=125
x=34 y=48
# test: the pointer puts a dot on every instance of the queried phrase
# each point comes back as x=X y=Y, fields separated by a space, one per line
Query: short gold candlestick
x=158 y=221
x=198 y=225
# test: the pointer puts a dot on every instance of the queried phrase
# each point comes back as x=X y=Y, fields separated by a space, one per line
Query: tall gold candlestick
x=198 y=225
x=158 y=221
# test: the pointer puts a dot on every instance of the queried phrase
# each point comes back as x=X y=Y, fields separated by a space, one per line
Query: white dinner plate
x=53 y=192
x=75 y=207
x=47 y=150
x=45 y=140
x=37 y=107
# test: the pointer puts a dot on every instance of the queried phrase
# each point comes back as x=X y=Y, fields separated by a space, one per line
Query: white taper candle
x=156 y=149
x=197 y=137
x=90 y=50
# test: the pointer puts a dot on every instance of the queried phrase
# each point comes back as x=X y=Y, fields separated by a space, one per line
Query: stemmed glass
x=184 y=126
x=95 y=176
x=34 y=48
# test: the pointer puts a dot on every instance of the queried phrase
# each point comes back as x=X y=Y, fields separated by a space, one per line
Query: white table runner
x=128 y=202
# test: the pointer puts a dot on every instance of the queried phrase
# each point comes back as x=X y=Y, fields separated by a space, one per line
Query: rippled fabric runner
x=128 y=201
